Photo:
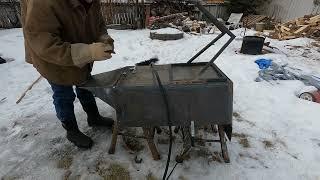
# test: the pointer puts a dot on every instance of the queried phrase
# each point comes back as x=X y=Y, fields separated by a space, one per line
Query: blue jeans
x=63 y=99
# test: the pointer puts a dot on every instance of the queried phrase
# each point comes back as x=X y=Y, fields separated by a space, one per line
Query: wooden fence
x=10 y=15
x=133 y=12
x=128 y=13
x=115 y=12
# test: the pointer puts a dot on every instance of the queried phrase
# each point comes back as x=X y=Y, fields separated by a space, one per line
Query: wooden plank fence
x=120 y=12
x=10 y=15
x=124 y=13
x=114 y=11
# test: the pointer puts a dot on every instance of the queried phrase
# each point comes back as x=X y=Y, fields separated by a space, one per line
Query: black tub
x=252 y=45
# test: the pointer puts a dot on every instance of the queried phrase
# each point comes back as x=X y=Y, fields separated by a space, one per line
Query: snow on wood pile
x=307 y=26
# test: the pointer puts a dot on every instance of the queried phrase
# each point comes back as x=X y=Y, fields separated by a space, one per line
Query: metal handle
x=223 y=30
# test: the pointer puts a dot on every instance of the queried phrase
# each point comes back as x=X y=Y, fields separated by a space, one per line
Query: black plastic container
x=252 y=45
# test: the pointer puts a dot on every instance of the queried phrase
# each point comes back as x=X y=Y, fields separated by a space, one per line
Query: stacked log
x=307 y=26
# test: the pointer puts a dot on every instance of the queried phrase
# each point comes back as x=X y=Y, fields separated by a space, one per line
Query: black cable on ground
x=172 y=170
x=165 y=98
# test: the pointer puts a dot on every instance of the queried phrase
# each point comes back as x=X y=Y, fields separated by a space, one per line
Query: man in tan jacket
x=62 y=40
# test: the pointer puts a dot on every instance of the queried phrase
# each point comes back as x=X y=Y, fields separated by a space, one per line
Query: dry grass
x=65 y=162
x=131 y=143
x=245 y=143
x=282 y=143
x=243 y=139
x=66 y=175
x=216 y=156
x=9 y=178
x=268 y=144
x=182 y=178
x=239 y=135
x=239 y=118
x=236 y=115
x=150 y=176
x=112 y=172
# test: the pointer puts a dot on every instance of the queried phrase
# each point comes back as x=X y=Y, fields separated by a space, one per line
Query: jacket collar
x=76 y=3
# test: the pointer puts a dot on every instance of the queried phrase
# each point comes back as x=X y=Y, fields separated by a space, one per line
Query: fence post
x=147 y=15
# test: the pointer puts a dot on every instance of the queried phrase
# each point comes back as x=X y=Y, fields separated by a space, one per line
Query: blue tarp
x=271 y=71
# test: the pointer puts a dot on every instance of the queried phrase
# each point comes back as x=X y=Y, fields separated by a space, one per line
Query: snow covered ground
x=276 y=136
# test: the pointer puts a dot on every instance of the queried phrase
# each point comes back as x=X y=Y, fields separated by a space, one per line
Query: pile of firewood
x=167 y=21
x=307 y=26
x=181 y=22
x=176 y=14
x=194 y=25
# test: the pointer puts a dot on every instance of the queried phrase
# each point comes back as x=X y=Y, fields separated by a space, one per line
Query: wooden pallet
x=131 y=13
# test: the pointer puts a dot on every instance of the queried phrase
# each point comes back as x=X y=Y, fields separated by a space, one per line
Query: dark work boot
x=75 y=136
x=94 y=117
x=96 y=120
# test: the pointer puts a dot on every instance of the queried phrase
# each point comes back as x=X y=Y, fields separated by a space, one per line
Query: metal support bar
x=223 y=30
x=205 y=48
x=213 y=19
x=216 y=56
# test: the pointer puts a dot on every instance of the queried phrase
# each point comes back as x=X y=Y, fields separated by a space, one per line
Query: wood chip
x=302 y=29
x=283 y=29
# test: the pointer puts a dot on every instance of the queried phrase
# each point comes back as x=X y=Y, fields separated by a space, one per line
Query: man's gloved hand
x=83 y=54
x=107 y=40
x=100 y=51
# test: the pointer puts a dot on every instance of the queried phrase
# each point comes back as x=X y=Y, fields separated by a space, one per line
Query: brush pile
x=176 y=14
x=180 y=21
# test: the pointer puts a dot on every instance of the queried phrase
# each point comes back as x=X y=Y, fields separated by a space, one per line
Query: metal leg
x=149 y=134
x=223 y=143
x=115 y=131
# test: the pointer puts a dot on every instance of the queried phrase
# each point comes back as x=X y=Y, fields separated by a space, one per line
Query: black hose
x=180 y=161
x=165 y=98
x=172 y=170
